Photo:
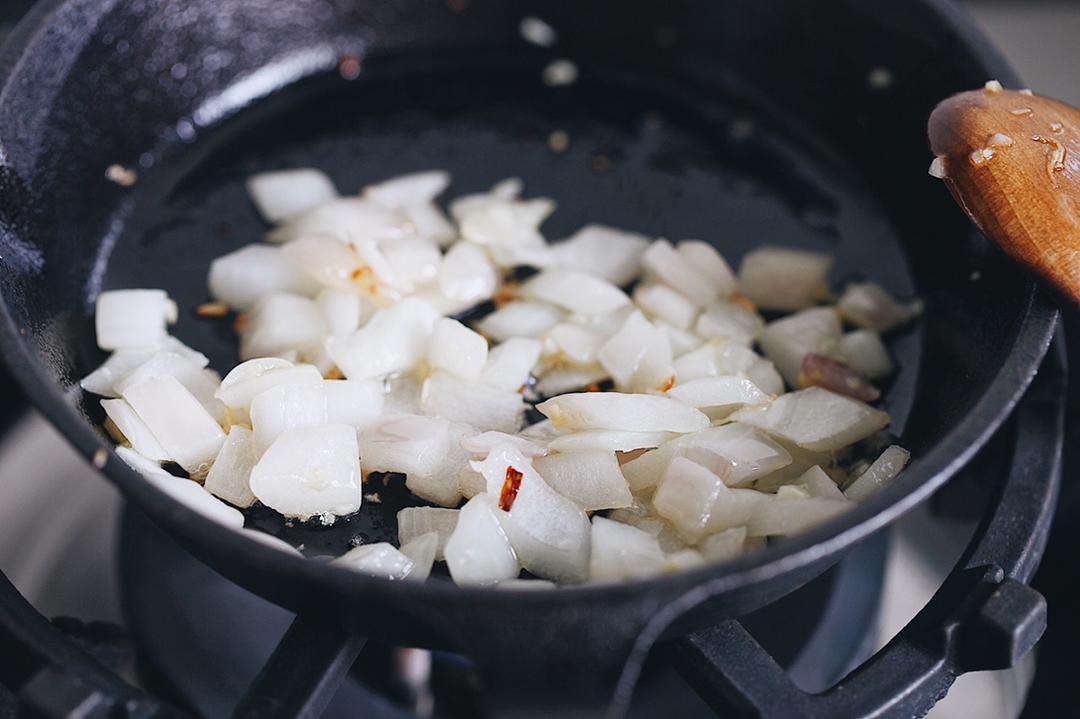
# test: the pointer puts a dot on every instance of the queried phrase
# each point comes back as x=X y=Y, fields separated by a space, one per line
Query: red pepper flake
x=593 y=387
x=835 y=376
x=510 y=489
x=335 y=373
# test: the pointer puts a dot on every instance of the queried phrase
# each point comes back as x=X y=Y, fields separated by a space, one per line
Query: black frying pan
x=740 y=122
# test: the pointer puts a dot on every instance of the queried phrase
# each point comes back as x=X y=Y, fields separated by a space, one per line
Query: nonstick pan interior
x=683 y=123
x=640 y=156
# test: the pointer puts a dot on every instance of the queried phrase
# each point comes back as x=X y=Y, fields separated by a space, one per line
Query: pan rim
x=1036 y=325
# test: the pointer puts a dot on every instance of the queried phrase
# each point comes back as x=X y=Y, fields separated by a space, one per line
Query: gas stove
x=139 y=627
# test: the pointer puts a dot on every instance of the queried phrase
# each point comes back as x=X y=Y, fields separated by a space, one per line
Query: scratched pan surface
x=684 y=123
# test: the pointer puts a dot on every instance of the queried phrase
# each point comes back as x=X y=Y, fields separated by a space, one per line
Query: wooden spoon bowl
x=1011 y=159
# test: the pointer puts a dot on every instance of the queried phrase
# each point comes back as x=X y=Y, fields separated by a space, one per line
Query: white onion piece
x=749 y=451
x=591 y=479
x=185 y=491
x=871 y=307
x=606 y=252
x=412 y=261
x=103 y=380
x=379 y=560
x=248 y=379
x=661 y=302
x=480 y=445
x=718 y=394
x=483 y=407
x=575 y=291
x=283 y=194
x=230 y=474
x=621 y=411
x=682 y=341
x=792 y=491
x=455 y=348
x=130 y=319
x=402 y=395
x=415 y=522
x=357 y=403
x=816 y=419
x=345 y=215
x=442 y=487
x=567 y=379
x=549 y=533
x=189 y=434
x=697 y=502
x=662 y=262
x=573 y=343
x=621 y=552
x=309 y=471
x=819 y=484
x=241 y=277
x=430 y=223
x=504 y=190
x=520 y=319
x=421 y=551
x=638 y=356
x=784 y=279
x=393 y=341
x=134 y=430
x=281 y=322
x=271 y=541
x=790 y=515
x=787 y=340
x=705 y=259
x=727 y=320
x=410 y=445
x=342 y=311
x=202 y=383
x=471 y=483
x=725 y=357
x=883 y=470
x=682 y=560
x=478 y=551
x=466 y=275
x=410 y=189
x=865 y=353
x=331 y=262
x=609 y=440
x=725 y=545
x=286 y=407
x=510 y=363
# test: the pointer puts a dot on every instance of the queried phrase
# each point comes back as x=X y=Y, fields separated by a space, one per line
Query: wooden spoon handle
x=1011 y=160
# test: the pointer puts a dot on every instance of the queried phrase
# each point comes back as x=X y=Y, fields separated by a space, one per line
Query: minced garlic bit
x=558 y=141
x=560 y=73
x=121 y=175
x=212 y=309
x=1021 y=111
x=999 y=140
x=982 y=155
x=992 y=86
x=937 y=168
x=1026 y=91
x=538 y=32
x=1057 y=128
x=100 y=457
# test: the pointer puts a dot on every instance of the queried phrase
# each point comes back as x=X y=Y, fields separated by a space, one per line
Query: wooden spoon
x=1012 y=161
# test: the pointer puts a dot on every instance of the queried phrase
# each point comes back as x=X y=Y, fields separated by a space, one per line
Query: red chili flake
x=593 y=387
x=835 y=376
x=510 y=489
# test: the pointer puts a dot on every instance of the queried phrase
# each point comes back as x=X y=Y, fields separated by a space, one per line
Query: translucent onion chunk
x=816 y=419
x=414 y=522
x=310 y=471
x=379 y=560
x=785 y=279
x=591 y=478
x=621 y=411
x=883 y=470
x=282 y=194
x=478 y=551
x=229 y=477
x=621 y=552
x=132 y=319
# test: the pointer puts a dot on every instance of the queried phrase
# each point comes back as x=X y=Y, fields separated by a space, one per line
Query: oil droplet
x=879 y=78
x=558 y=141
